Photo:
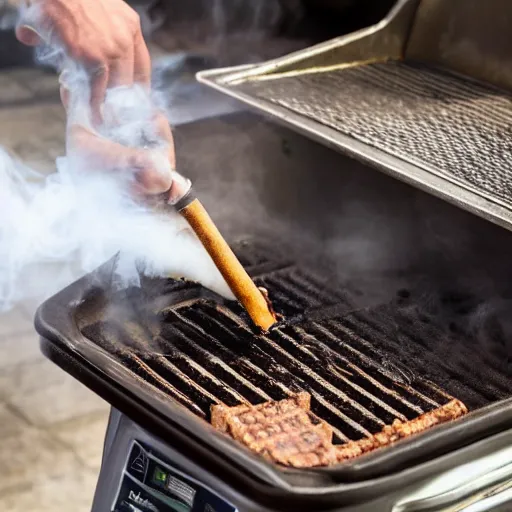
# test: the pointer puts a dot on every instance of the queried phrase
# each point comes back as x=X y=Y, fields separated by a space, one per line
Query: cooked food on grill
x=285 y=432
x=399 y=430
x=288 y=433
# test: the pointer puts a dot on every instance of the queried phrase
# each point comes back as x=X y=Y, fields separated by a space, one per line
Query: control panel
x=151 y=484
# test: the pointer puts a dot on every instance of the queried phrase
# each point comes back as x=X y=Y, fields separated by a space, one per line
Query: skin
x=104 y=36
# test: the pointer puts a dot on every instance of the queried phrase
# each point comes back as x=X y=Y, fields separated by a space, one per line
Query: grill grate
x=290 y=359
x=363 y=368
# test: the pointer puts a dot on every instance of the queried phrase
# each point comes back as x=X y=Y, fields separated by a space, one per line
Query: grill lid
x=443 y=132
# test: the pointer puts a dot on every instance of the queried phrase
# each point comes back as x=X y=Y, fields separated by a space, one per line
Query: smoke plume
x=55 y=228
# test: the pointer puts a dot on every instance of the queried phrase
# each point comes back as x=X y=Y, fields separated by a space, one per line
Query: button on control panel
x=152 y=484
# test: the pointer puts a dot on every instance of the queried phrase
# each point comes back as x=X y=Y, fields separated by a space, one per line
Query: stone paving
x=51 y=426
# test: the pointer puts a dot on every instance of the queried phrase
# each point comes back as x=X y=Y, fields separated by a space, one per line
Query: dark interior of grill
x=393 y=301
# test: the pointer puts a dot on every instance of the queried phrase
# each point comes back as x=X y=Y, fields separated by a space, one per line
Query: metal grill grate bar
x=336 y=343
x=109 y=340
x=209 y=384
x=276 y=356
x=334 y=416
x=149 y=374
x=354 y=372
x=201 y=353
x=318 y=288
x=216 y=363
x=211 y=357
x=495 y=384
x=295 y=292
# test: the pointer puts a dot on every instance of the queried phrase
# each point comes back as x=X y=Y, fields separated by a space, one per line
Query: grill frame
x=63 y=343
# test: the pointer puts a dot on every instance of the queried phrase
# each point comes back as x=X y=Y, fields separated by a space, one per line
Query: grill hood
x=425 y=96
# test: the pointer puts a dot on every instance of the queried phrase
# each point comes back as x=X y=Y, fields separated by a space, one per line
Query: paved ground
x=51 y=426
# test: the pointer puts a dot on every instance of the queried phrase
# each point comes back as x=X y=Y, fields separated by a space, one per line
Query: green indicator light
x=159 y=476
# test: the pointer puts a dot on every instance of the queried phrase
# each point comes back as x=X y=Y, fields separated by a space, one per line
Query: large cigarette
x=231 y=269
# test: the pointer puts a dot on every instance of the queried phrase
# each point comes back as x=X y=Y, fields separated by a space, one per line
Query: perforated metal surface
x=450 y=126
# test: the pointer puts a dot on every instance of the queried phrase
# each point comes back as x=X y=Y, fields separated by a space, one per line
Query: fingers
x=99 y=83
x=132 y=66
x=163 y=130
x=33 y=25
x=148 y=172
x=27 y=35
x=36 y=22
x=121 y=69
x=113 y=56
x=98 y=152
x=64 y=97
x=103 y=154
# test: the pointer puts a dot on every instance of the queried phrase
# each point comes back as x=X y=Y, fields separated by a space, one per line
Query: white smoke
x=55 y=228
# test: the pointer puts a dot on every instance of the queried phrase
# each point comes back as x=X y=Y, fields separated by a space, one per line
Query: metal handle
x=501 y=495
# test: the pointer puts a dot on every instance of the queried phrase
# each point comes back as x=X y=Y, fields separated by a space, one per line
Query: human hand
x=151 y=168
x=104 y=36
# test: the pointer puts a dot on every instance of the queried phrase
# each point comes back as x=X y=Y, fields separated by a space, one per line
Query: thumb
x=64 y=97
x=27 y=35
x=153 y=170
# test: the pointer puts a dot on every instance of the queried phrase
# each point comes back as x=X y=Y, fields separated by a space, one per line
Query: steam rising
x=52 y=229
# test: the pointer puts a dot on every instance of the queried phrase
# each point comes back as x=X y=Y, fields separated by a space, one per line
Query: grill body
x=390 y=353
x=123 y=433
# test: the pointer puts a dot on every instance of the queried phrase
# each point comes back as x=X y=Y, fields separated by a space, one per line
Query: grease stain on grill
x=400 y=375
